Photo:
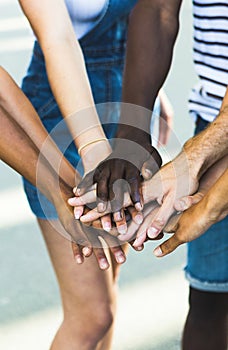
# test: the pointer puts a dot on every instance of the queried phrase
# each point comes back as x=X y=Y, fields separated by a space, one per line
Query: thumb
x=167 y=247
x=85 y=184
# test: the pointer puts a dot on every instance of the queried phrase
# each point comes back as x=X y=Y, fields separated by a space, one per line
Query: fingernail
x=122 y=229
x=183 y=205
x=120 y=258
x=140 y=248
x=86 y=251
x=138 y=240
x=103 y=264
x=101 y=207
x=118 y=216
x=77 y=191
x=138 y=219
x=74 y=190
x=78 y=259
x=77 y=214
x=158 y=252
x=135 y=243
x=107 y=227
x=86 y=218
x=148 y=173
x=71 y=201
x=138 y=206
x=152 y=232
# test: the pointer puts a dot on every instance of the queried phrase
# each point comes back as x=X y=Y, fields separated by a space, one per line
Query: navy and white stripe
x=210 y=52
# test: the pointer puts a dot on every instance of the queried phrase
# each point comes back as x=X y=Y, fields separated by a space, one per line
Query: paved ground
x=153 y=293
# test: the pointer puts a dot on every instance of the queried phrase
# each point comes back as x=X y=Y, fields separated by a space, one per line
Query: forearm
x=66 y=70
x=70 y=85
x=153 y=27
x=20 y=110
x=19 y=152
x=210 y=145
x=215 y=201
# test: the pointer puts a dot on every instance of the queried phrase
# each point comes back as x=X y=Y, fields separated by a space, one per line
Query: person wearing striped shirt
x=206 y=270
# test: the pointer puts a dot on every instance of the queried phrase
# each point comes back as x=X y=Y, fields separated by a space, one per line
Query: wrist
x=133 y=133
x=60 y=193
x=93 y=153
x=134 y=116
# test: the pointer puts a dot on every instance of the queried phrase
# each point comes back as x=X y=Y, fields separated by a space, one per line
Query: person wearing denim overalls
x=88 y=294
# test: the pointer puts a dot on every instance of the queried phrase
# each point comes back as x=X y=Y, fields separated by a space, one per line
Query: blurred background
x=153 y=293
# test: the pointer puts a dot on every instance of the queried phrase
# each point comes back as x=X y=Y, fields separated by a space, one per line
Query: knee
x=102 y=319
x=90 y=323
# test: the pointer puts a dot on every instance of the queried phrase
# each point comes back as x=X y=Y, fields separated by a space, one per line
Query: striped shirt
x=210 y=53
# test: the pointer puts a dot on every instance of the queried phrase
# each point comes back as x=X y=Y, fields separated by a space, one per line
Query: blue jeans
x=104 y=50
x=207 y=264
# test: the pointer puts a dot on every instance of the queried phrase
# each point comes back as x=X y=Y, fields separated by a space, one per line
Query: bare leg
x=88 y=296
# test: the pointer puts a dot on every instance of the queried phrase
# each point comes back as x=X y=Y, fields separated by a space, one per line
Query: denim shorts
x=207 y=259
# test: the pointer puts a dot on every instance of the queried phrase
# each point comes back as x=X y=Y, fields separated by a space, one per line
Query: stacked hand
x=120 y=173
x=171 y=190
x=167 y=187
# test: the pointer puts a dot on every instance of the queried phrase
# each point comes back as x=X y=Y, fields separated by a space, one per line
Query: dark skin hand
x=121 y=171
x=158 y=20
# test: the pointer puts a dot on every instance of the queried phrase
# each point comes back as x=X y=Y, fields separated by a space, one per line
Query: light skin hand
x=206 y=182
x=197 y=219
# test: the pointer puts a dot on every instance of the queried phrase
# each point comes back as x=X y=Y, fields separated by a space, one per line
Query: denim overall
x=104 y=50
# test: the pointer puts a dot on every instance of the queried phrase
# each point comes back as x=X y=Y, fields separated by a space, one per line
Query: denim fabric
x=104 y=49
x=207 y=265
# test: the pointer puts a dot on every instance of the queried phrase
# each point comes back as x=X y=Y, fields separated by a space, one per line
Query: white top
x=210 y=53
x=84 y=14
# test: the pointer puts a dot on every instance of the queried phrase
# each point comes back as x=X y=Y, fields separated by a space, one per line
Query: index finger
x=87 y=198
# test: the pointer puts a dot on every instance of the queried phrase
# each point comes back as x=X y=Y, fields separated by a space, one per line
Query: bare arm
x=153 y=27
x=211 y=144
x=21 y=147
x=18 y=107
x=66 y=71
